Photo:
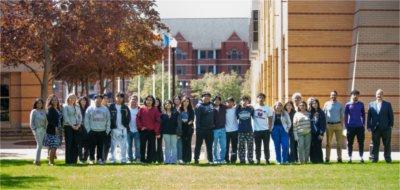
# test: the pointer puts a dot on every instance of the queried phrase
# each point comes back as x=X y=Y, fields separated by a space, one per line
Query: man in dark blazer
x=380 y=123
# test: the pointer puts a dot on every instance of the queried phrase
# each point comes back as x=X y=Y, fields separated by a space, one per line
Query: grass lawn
x=22 y=174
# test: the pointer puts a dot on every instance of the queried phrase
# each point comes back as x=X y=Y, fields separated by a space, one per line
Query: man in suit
x=380 y=123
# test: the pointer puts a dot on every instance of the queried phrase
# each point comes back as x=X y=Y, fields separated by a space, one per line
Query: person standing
x=159 y=155
x=186 y=115
x=244 y=113
x=219 y=145
x=293 y=157
x=280 y=133
x=120 y=118
x=38 y=123
x=54 y=128
x=97 y=124
x=318 y=127
x=148 y=123
x=334 y=117
x=177 y=104
x=72 y=123
x=204 y=127
x=133 y=133
x=170 y=131
x=296 y=98
x=83 y=142
x=380 y=123
x=302 y=132
x=354 y=116
x=107 y=141
x=231 y=127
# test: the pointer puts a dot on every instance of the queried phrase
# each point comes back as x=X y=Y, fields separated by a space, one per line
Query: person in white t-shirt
x=231 y=126
x=262 y=120
x=133 y=133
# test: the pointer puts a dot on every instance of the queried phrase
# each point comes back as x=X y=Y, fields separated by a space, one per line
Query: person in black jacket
x=170 y=131
x=318 y=127
x=219 y=145
x=204 y=127
x=54 y=129
x=83 y=144
x=186 y=121
x=120 y=118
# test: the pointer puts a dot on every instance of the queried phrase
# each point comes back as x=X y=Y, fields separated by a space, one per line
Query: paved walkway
x=26 y=150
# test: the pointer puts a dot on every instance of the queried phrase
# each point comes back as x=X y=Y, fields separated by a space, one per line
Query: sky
x=204 y=8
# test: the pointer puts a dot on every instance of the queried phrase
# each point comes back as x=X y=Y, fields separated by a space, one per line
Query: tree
x=27 y=32
x=225 y=85
x=246 y=85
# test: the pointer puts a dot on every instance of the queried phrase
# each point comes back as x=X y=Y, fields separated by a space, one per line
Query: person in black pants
x=186 y=121
x=380 y=122
x=83 y=145
x=72 y=123
x=159 y=157
x=318 y=127
x=204 y=127
x=289 y=108
x=107 y=140
x=231 y=126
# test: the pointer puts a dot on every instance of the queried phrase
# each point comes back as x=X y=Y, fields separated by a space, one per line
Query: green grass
x=22 y=174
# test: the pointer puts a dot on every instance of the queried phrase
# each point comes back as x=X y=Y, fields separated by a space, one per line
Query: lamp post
x=173 y=45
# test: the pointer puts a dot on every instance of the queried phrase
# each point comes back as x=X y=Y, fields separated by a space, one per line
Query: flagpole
x=162 y=79
x=169 y=72
x=355 y=63
x=154 y=81
x=139 y=88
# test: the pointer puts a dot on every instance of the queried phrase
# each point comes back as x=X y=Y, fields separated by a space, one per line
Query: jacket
x=149 y=119
x=125 y=116
x=285 y=120
x=205 y=117
x=383 y=119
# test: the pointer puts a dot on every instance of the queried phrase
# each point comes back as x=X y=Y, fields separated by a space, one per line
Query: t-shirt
x=132 y=123
x=231 y=120
x=244 y=115
x=260 y=118
x=119 y=117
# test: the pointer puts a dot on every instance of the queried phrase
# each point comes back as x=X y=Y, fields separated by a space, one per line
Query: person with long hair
x=318 y=127
x=38 y=124
x=177 y=103
x=72 y=123
x=280 y=133
x=302 y=132
x=83 y=144
x=186 y=121
x=170 y=131
x=133 y=133
x=148 y=123
x=293 y=157
x=54 y=128
x=159 y=155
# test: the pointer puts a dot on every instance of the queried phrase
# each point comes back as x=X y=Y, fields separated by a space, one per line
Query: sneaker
x=258 y=162
x=339 y=160
x=100 y=162
x=210 y=163
x=251 y=162
x=196 y=162
x=180 y=161
x=112 y=161
x=223 y=162
x=91 y=162
x=242 y=162
x=362 y=160
x=267 y=162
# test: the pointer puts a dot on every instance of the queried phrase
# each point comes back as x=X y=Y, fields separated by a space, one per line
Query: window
x=5 y=97
x=180 y=55
x=210 y=54
x=235 y=68
x=203 y=54
x=234 y=54
x=203 y=69
x=180 y=70
x=255 y=25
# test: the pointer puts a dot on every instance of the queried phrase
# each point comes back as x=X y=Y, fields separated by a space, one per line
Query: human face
x=206 y=98
x=72 y=100
x=297 y=100
x=119 y=100
x=314 y=104
x=177 y=102
x=260 y=100
x=379 y=95
x=83 y=102
x=354 y=97
x=185 y=103
x=157 y=103
x=302 y=107
x=104 y=102
x=230 y=104
x=217 y=102
x=245 y=103
x=167 y=106
x=54 y=102
x=39 y=105
x=278 y=107
x=99 y=101
x=134 y=101
x=149 y=102
x=333 y=96
x=289 y=107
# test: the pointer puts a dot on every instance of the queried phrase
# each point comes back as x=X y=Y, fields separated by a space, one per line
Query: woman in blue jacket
x=318 y=127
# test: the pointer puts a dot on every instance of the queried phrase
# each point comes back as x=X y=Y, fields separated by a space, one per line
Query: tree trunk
x=101 y=83
x=113 y=86
x=46 y=70
x=76 y=89
x=87 y=83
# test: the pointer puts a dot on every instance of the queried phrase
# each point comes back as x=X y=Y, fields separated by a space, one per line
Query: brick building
x=209 y=45
x=312 y=47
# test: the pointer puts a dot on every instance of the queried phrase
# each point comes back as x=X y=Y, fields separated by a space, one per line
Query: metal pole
x=173 y=72
x=162 y=80
x=169 y=72
x=154 y=81
x=355 y=63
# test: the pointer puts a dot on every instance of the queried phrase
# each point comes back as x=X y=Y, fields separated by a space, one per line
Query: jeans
x=171 y=151
x=353 y=132
x=97 y=139
x=71 y=145
x=133 y=138
x=334 y=129
x=281 y=142
x=207 y=136
x=118 y=138
x=219 y=145
x=179 y=148
x=385 y=135
x=231 y=139
x=263 y=136
x=246 y=142
x=303 y=147
x=39 y=134
x=147 y=141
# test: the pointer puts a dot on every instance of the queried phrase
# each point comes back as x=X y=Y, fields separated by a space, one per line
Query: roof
x=208 y=33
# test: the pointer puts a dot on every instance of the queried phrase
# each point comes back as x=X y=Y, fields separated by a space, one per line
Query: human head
x=217 y=100
x=289 y=106
x=354 y=95
x=379 y=94
x=296 y=98
x=167 y=105
x=230 y=102
x=278 y=106
x=98 y=100
x=302 y=106
x=133 y=101
x=245 y=100
x=38 y=104
x=261 y=98
x=53 y=102
x=71 y=99
x=120 y=98
x=206 y=96
x=333 y=95
x=150 y=101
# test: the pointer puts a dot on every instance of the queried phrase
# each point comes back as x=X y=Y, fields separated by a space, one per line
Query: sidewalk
x=26 y=150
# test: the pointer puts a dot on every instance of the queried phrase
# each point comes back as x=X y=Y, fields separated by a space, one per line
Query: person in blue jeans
x=133 y=133
x=280 y=133
x=171 y=132
x=219 y=145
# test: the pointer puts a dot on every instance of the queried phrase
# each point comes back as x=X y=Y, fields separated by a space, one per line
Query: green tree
x=246 y=85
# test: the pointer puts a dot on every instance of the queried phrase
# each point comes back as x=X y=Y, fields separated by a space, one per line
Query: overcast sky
x=204 y=8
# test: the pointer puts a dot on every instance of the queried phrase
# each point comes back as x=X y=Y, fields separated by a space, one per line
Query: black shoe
x=327 y=161
x=374 y=161
x=251 y=162
x=388 y=161
x=267 y=162
x=196 y=162
x=350 y=161
x=242 y=162
x=362 y=161
x=339 y=161
x=258 y=162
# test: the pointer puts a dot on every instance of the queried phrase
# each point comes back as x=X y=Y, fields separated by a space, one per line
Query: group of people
x=229 y=131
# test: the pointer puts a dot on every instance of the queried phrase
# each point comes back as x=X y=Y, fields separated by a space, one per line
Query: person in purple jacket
x=354 y=116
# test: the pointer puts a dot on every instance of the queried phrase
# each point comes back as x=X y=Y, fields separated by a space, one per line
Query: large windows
x=180 y=70
x=5 y=97
x=180 y=55
x=234 y=54
x=206 y=54
x=203 y=69
x=235 y=68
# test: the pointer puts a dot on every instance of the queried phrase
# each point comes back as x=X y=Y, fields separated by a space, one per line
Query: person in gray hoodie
x=97 y=124
x=38 y=123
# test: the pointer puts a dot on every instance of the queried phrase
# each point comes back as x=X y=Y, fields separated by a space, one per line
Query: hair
x=37 y=101
x=159 y=106
x=245 y=97
x=296 y=94
x=313 y=110
x=121 y=95
x=334 y=91
x=176 y=97
x=309 y=102
x=80 y=102
x=50 y=105
x=261 y=95
x=291 y=103
x=132 y=96
x=355 y=92
x=105 y=96
x=168 y=102
x=217 y=97
x=152 y=98
x=276 y=103
x=69 y=97
x=302 y=102
x=230 y=99
x=190 y=107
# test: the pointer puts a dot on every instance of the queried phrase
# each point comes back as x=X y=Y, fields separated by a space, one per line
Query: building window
x=235 y=68
x=210 y=54
x=5 y=97
x=180 y=70
x=203 y=69
x=255 y=25
x=234 y=54
x=180 y=55
x=203 y=54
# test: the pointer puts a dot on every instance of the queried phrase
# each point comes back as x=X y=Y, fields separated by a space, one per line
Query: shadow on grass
x=11 y=163
x=21 y=182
